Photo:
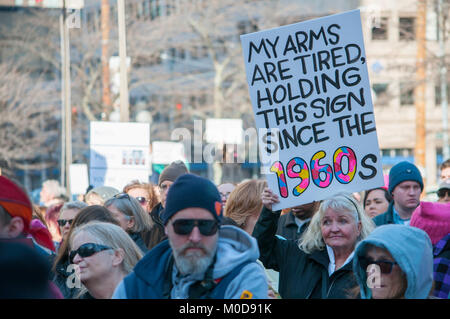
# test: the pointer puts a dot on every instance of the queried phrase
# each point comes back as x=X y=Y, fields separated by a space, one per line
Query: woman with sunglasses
x=68 y=212
x=318 y=266
x=144 y=194
x=104 y=254
x=132 y=218
x=61 y=265
x=394 y=262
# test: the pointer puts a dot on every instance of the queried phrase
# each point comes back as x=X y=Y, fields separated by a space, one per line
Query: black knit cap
x=190 y=190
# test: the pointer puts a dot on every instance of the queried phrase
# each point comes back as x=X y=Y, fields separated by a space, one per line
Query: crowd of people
x=187 y=238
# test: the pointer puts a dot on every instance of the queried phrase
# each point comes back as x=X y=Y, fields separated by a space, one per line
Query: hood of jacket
x=234 y=247
x=412 y=250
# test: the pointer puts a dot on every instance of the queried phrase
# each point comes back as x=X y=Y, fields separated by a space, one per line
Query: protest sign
x=224 y=131
x=119 y=153
x=167 y=152
x=310 y=92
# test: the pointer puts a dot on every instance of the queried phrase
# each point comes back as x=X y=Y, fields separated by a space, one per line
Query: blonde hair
x=245 y=201
x=312 y=239
x=112 y=236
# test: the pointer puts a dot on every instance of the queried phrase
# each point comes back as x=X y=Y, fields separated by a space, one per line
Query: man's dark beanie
x=192 y=191
x=172 y=172
x=404 y=171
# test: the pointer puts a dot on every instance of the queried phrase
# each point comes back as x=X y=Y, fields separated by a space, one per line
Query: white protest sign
x=310 y=91
x=79 y=180
x=224 y=131
x=119 y=153
x=167 y=152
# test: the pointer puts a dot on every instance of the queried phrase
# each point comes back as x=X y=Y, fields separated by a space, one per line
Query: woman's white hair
x=312 y=238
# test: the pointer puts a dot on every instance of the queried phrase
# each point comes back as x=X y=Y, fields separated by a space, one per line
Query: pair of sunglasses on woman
x=384 y=265
x=87 y=250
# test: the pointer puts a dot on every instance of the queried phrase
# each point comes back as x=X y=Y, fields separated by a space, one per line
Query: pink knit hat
x=433 y=218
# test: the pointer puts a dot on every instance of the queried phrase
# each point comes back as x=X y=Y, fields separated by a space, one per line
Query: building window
x=380 y=29
x=406 y=94
x=406 y=28
x=380 y=90
x=437 y=94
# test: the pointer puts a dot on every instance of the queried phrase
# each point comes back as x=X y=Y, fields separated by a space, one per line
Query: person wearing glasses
x=225 y=190
x=131 y=217
x=104 y=255
x=394 y=262
x=144 y=194
x=67 y=213
x=443 y=191
x=200 y=259
x=63 y=273
x=318 y=266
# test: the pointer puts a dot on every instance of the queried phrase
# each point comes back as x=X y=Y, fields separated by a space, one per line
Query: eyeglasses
x=142 y=200
x=207 y=227
x=385 y=265
x=87 y=250
x=63 y=222
x=442 y=192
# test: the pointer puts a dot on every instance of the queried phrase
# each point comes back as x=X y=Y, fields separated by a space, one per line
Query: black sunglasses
x=385 y=265
x=207 y=227
x=87 y=250
x=442 y=192
x=62 y=222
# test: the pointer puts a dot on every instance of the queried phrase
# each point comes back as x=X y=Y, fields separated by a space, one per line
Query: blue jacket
x=412 y=250
x=235 y=270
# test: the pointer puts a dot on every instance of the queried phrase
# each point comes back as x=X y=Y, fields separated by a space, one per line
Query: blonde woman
x=104 y=254
x=132 y=218
x=319 y=265
x=244 y=204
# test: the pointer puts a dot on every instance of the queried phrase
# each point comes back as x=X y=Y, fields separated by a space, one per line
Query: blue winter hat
x=190 y=190
x=404 y=171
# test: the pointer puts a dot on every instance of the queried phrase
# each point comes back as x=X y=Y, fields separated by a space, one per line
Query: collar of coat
x=322 y=258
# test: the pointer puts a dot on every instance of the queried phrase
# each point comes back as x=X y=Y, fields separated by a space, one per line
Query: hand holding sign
x=310 y=92
x=269 y=198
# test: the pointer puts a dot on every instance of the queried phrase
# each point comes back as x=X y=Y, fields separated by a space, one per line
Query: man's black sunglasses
x=385 y=265
x=207 y=227
x=87 y=250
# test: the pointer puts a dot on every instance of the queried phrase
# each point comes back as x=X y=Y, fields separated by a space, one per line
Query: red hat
x=15 y=201
x=433 y=218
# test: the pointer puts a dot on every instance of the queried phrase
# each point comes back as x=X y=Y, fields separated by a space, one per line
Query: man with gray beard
x=200 y=259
